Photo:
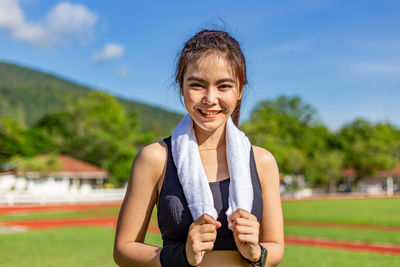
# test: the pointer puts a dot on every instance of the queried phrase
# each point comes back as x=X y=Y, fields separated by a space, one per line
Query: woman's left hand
x=245 y=228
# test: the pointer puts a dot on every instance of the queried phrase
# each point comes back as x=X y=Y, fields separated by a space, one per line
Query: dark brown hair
x=213 y=41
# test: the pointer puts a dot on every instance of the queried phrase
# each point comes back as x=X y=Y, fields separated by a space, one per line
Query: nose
x=210 y=97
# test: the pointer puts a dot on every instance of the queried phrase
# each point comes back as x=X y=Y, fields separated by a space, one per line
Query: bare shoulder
x=263 y=157
x=153 y=153
x=151 y=159
x=266 y=165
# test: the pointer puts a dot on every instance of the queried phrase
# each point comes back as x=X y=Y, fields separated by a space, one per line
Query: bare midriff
x=230 y=258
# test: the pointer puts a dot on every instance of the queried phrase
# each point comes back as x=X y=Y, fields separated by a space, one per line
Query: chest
x=215 y=165
x=174 y=217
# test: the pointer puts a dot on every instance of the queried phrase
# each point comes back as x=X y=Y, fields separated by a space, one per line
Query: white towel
x=186 y=155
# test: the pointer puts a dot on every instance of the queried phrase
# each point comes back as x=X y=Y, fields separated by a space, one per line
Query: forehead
x=209 y=67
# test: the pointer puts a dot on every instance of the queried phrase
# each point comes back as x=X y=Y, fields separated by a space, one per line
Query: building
x=73 y=175
x=386 y=181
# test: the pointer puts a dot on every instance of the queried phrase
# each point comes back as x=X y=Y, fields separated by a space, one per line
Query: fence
x=98 y=195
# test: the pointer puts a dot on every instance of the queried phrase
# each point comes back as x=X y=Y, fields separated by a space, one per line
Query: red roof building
x=350 y=172
x=72 y=168
x=393 y=172
x=384 y=181
x=77 y=172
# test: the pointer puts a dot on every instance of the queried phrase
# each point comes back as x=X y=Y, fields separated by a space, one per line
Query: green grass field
x=92 y=246
x=371 y=236
x=78 y=246
x=381 y=211
x=98 y=212
x=296 y=256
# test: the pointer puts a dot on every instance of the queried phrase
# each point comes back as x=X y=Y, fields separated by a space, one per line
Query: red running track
x=392 y=228
x=26 y=209
x=346 y=245
x=63 y=222
x=302 y=241
x=56 y=207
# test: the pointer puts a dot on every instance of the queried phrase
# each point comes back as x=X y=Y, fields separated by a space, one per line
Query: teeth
x=209 y=112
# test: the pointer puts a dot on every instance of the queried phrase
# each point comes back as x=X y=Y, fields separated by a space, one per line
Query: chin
x=210 y=126
x=209 y=123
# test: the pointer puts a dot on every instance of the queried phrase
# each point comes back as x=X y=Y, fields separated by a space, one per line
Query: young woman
x=211 y=74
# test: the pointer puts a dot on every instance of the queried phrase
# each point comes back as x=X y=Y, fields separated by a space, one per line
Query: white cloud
x=64 y=23
x=381 y=67
x=11 y=15
x=123 y=72
x=111 y=51
x=70 y=18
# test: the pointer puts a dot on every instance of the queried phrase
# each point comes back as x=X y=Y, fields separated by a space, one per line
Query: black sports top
x=173 y=214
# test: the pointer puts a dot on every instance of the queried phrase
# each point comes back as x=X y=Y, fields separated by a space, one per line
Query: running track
x=111 y=222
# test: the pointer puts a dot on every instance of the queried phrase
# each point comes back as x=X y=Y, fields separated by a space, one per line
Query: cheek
x=232 y=100
x=190 y=100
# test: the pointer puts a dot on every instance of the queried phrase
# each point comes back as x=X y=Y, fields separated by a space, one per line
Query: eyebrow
x=194 y=78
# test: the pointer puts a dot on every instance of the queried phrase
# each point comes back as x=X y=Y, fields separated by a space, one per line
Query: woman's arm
x=271 y=225
x=136 y=209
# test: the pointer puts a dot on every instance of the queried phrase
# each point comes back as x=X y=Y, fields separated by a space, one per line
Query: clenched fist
x=245 y=228
x=201 y=238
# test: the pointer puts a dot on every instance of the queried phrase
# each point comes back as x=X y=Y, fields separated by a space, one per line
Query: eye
x=196 y=85
x=225 y=86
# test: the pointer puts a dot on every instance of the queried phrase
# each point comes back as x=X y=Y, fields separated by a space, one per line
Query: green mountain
x=27 y=95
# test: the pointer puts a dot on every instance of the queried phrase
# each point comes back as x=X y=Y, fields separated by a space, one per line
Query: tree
x=40 y=164
x=282 y=127
x=13 y=140
x=96 y=129
x=369 y=148
x=325 y=167
x=301 y=144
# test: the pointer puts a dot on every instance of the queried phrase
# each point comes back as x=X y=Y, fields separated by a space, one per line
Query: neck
x=210 y=140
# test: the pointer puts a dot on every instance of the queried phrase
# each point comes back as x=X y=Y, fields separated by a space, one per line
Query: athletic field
x=351 y=232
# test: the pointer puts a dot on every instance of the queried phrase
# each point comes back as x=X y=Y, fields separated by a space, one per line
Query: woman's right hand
x=201 y=238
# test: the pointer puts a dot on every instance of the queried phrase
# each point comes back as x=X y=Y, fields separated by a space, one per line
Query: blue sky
x=342 y=57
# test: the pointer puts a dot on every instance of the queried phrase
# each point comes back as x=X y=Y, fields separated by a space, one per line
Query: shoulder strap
x=167 y=141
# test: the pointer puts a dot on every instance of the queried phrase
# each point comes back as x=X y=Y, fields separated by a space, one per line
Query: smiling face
x=210 y=91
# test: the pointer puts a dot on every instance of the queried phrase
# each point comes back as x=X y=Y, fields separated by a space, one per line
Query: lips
x=208 y=113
